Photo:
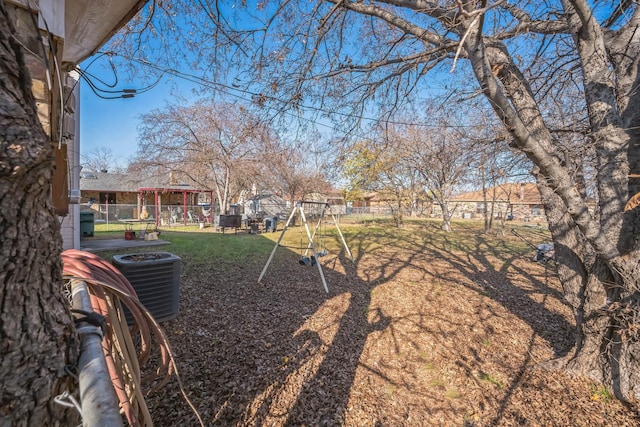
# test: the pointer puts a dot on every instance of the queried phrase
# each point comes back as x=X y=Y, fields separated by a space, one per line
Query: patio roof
x=124 y=183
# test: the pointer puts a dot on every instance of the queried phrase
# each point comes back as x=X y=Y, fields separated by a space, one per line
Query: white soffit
x=89 y=24
x=51 y=17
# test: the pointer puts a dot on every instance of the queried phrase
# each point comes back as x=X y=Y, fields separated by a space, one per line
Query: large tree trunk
x=599 y=283
x=609 y=333
x=35 y=326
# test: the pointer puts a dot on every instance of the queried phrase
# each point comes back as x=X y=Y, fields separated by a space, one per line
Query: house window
x=109 y=198
x=480 y=208
x=536 y=210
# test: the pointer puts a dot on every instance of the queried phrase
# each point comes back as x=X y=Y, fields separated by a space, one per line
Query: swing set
x=317 y=251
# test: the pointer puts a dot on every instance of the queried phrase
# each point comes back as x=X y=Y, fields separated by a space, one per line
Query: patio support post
x=157 y=202
x=184 y=207
x=211 y=206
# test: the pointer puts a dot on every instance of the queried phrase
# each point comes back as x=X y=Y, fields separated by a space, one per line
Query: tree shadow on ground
x=494 y=278
x=283 y=352
x=318 y=376
x=323 y=398
x=274 y=353
x=490 y=273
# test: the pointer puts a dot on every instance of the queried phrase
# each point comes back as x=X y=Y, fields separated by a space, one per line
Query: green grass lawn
x=203 y=246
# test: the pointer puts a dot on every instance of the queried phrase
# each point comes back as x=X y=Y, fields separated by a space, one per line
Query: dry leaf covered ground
x=424 y=329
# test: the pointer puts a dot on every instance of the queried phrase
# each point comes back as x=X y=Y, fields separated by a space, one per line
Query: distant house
x=267 y=204
x=122 y=196
x=519 y=201
x=336 y=202
x=380 y=202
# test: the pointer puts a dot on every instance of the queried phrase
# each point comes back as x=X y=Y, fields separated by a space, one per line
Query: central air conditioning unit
x=155 y=276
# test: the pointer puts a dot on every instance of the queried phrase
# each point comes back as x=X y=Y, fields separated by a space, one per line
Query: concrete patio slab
x=97 y=245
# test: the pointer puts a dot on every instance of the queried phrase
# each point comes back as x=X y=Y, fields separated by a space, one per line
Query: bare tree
x=287 y=172
x=496 y=166
x=353 y=57
x=36 y=328
x=442 y=154
x=493 y=167
x=444 y=165
x=213 y=145
x=102 y=159
x=402 y=177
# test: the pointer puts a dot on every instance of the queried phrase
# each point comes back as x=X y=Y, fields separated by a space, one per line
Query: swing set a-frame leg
x=284 y=230
x=344 y=242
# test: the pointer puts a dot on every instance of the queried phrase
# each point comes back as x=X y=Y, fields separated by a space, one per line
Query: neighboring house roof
x=514 y=193
x=335 y=198
x=383 y=196
x=115 y=182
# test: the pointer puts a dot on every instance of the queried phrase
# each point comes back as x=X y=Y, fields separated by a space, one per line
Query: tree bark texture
x=598 y=281
x=35 y=325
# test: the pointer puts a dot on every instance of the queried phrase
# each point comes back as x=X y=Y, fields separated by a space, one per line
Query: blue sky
x=113 y=123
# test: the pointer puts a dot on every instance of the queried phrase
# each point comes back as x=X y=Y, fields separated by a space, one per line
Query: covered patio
x=176 y=204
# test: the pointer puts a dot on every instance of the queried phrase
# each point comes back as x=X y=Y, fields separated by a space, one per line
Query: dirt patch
x=415 y=333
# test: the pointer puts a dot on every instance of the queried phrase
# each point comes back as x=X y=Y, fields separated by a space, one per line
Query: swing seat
x=313 y=261
x=304 y=261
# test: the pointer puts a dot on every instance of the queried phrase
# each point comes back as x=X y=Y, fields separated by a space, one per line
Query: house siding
x=469 y=210
x=71 y=224
x=521 y=200
x=121 y=197
x=68 y=226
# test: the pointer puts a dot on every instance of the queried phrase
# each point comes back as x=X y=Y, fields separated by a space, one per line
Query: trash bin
x=86 y=224
x=270 y=223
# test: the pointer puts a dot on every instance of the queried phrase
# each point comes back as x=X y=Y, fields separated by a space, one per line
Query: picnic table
x=149 y=224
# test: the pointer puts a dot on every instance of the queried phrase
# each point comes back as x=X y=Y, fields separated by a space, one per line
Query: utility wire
x=206 y=83
x=229 y=89
x=123 y=93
